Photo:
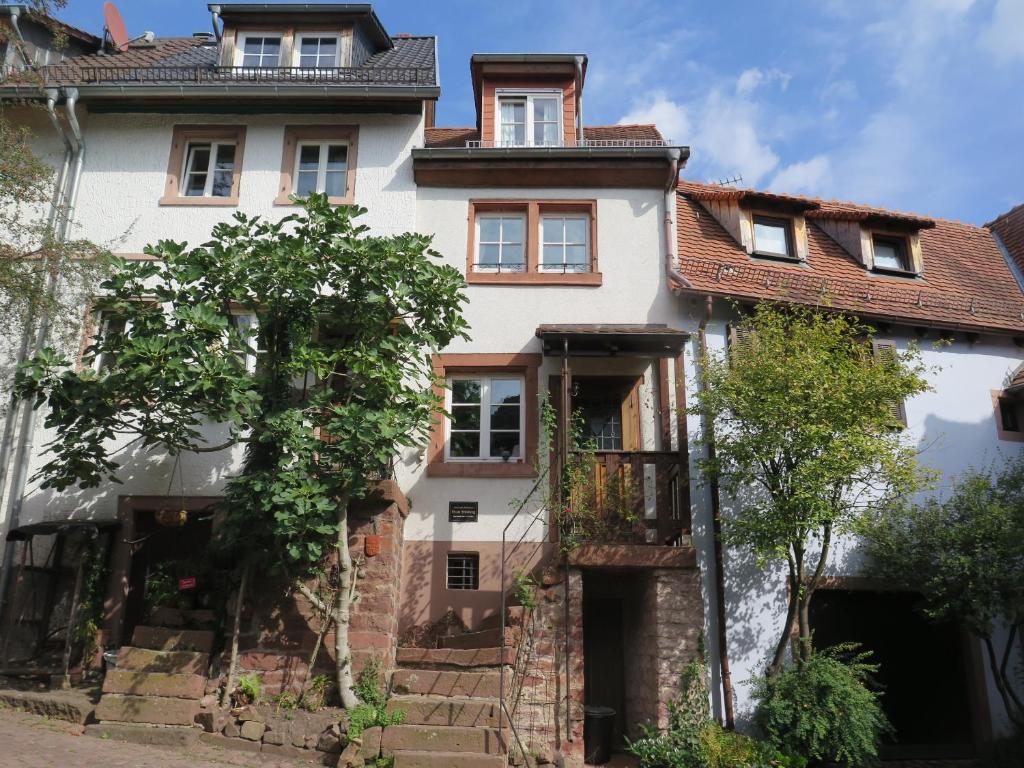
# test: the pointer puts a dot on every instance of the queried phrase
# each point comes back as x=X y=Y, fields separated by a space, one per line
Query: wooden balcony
x=638 y=497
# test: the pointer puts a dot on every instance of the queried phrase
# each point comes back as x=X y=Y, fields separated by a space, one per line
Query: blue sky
x=911 y=104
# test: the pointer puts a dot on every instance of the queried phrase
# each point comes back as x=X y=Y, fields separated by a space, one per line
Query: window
x=1008 y=416
x=565 y=240
x=318 y=51
x=260 y=51
x=885 y=352
x=321 y=167
x=530 y=120
x=205 y=165
x=109 y=327
x=486 y=419
x=319 y=158
x=209 y=170
x=773 y=237
x=533 y=241
x=248 y=327
x=890 y=253
x=463 y=570
x=501 y=242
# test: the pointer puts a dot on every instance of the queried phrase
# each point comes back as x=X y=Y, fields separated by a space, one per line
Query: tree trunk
x=343 y=611
x=325 y=623
x=779 y=659
x=236 y=629
x=1003 y=685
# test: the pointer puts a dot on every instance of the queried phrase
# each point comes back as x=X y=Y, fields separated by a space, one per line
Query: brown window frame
x=298 y=134
x=1000 y=400
x=533 y=274
x=902 y=242
x=182 y=136
x=787 y=225
x=521 y=364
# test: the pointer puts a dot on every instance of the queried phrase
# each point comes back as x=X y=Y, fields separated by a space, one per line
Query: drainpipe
x=215 y=19
x=716 y=524
x=674 y=275
x=62 y=208
x=15 y=12
x=579 y=101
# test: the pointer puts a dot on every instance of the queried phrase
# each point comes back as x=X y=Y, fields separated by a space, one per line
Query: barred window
x=464 y=570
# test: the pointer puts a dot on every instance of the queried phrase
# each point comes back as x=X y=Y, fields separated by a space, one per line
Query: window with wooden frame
x=205 y=165
x=1008 y=414
x=773 y=237
x=547 y=242
x=885 y=351
x=259 y=50
x=462 y=570
x=109 y=325
x=491 y=416
x=529 y=118
x=891 y=253
x=319 y=158
x=317 y=50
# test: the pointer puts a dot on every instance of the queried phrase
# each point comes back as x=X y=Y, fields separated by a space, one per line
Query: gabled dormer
x=260 y=36
x=528 y=100
x=885 y=243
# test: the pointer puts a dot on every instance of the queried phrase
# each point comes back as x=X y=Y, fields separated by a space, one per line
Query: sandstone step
x=448 y=760
x=177 y=617
x=514 y=615
x=147 y=660
x=145 y=734
x=169 y=684
x=442 y=658
x=167 y=639
x=440 y=682
x=488 y=638
x=120 y=708
x=432 y=738
x=446 y=710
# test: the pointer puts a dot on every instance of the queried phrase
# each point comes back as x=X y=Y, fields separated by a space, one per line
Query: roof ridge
x=1004 y=215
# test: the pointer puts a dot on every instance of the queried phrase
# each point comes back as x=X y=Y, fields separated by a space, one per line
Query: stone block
x=238 y=745
x=144 y=734
x=284 y=750
x=139 y=709
x=403 y=738
x=231 y=729
x=148 y=660
x=164 y=639
x=371 y=746
x=252 y=730
x=167 y=684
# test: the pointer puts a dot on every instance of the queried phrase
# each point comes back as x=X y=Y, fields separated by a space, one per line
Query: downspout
x=15 y=12
x=59 y=218
x=716 y=524
x=565 y=444
x=579 y=102
x=674 y=275
x=215 y=20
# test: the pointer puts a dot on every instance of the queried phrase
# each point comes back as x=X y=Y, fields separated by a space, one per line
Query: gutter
x=60 y=216
x=534 y=153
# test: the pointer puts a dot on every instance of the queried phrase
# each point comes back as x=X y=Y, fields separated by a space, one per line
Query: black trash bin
x=598 y=727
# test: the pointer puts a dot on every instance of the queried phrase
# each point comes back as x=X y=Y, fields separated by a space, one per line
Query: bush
x=373 y=707
x=824 y=709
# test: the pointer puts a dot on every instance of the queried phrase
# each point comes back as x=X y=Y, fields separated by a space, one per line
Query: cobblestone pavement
x=30 y=741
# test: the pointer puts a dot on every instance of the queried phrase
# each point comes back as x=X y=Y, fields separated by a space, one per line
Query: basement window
x=463 y=570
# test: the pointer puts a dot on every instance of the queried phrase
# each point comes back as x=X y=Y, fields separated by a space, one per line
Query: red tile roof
x=966 y=282
x=437 y=138
x=1010 y=228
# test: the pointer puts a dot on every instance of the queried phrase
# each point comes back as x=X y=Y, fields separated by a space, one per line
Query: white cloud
x=1004 y=34
x=810 y=177
x=752 y=79
x=670 y=117
x=726 y=139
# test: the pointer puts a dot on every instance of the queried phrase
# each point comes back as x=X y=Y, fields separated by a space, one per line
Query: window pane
x=309 y=157
x=505 y=391
x=489 y=254
x=490 y=230
x=337 y=157
x=305 y=183
x=465 y=444
x=466 y=391
x=576 y=254
x=553 y=254
x=505 y=417
x=309 y=62
x=575 y=231
x=554 y=229
x=221 y=184
x=253 y=45
x=504 y=442
x=512 y=254
x=195 y=185
x=888 y=255
x=770 y=238
x=225 y=157
x=335 y=183
x=309 y=46
x=513 y=112
x=512 y=230
x=251 y=60
x=271 y=47
x=545 y=110
x=466 y=417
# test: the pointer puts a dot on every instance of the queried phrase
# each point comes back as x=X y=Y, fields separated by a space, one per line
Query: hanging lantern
x=171 y=518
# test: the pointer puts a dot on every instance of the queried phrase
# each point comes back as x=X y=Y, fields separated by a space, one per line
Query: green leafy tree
x=804 y=440
x=964 y=554
x=345 y=325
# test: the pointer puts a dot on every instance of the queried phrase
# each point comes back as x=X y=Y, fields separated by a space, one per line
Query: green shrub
x=248 y=688
x=824 y=709
x=524 y=590
x=372 y=709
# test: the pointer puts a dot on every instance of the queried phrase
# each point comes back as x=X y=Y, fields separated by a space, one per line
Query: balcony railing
x=637 y=498
x=241 y=75
x=578 y=143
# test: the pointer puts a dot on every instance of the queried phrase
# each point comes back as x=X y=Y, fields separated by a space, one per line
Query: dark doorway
x=604 y=683
x=169 y=564
x=923 y=670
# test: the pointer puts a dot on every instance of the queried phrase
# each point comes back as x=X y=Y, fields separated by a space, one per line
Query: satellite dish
x=115 y=26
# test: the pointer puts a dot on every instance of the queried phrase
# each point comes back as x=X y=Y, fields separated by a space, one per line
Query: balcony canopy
x=612 y=340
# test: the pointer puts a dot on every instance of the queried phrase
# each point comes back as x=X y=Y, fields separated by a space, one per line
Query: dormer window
x=530 y=119
x=890 y=254
x=318 y=51
x=773 y=237
x=260 y=51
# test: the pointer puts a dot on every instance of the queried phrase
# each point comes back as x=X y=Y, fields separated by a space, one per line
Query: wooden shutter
x=885 y=351
x=739 y=337
x=631 y=416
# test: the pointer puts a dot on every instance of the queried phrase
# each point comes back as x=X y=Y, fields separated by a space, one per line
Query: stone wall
x=675 y=611
x=280 y=626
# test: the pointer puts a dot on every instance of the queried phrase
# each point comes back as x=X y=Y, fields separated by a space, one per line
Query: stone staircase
x=452 y=712
x=161 y=677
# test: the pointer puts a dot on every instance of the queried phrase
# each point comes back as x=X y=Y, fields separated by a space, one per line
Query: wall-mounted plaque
x=463 y=511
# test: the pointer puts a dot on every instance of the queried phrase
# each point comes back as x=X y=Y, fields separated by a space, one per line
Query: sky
x=916 y=105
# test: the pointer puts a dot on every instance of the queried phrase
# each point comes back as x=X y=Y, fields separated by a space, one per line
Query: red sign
x=189 y=582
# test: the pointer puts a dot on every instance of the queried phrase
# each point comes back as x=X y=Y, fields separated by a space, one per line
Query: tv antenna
x=727 y=182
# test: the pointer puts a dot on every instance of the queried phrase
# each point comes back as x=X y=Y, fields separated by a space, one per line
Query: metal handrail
x=592 y=143
x=502 y=706
x=213 y=74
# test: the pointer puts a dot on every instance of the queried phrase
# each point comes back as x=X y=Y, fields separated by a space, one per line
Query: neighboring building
x=591 y=271
x=29 y=39
x=918 y=280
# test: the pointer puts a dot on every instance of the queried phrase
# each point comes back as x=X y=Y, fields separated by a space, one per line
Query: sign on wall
x=463 y=511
